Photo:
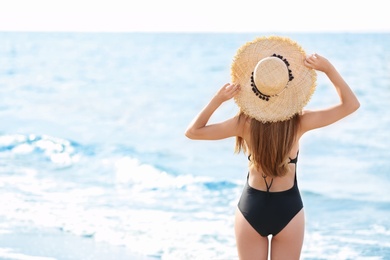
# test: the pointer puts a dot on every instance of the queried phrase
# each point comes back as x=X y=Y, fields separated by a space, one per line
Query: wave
x=132 y=203
x=139 y=205
x=59 y=151
x=132 y=171
x=62 y=152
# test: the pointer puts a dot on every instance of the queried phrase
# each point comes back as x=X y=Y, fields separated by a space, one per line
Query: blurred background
x=95 y=99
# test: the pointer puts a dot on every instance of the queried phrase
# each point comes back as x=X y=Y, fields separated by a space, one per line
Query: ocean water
x=92 y=144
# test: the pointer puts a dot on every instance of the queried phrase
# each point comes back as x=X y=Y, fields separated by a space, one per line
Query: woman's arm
x=348 y=101
x=198 y=128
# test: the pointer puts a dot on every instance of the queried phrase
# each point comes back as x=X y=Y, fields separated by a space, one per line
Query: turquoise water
x=92 y=143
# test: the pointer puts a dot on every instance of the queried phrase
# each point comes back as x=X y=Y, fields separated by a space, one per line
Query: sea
x=92 y=144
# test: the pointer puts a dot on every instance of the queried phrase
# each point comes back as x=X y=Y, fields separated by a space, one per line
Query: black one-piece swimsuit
x=269 y=212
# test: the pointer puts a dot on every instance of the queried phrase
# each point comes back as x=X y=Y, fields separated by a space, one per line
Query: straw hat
x=275 y=84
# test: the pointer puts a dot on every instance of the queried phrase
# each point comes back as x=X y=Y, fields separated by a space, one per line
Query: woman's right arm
x=199 y=129
x=348 y=101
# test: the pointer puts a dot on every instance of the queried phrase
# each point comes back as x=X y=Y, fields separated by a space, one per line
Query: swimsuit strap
x=264 y=176
x=266 y=183
x=295 y=160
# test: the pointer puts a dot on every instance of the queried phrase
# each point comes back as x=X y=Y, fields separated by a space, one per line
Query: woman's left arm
x=198 y=128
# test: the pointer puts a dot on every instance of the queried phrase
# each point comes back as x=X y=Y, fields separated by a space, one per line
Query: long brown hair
x=270 y=144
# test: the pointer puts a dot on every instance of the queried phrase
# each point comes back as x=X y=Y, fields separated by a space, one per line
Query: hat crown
x=271 y=76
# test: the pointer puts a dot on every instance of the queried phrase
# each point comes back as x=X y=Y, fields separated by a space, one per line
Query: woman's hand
x=227 y=92
x=200 y=130
x=348 y=101
x=317 y=62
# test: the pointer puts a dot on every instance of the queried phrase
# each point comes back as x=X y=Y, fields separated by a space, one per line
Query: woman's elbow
x=352 y=107
x=189 y=133
x=355 y=105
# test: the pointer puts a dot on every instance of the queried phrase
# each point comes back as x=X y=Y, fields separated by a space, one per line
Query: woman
x=272 y=80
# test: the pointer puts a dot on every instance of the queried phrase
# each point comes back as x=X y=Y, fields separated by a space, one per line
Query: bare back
x=256 y=179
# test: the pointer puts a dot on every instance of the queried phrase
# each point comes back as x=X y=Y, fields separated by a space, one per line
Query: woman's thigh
x=287 y=244
x=250 y=244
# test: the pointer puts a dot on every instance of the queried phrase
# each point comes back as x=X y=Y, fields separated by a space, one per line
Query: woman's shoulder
x=314 y=119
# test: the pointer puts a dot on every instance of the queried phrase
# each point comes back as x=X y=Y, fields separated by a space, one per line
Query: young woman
x=272 y=80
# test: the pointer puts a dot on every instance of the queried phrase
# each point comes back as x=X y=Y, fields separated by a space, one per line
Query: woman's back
x=256 y=174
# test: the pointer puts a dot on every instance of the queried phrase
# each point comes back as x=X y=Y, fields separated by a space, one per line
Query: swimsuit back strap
x=266 y=183
x=295 y=160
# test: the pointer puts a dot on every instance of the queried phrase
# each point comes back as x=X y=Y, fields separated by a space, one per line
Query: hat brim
x=290 y=101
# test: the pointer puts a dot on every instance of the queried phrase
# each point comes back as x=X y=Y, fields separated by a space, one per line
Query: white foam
x=7 y=253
